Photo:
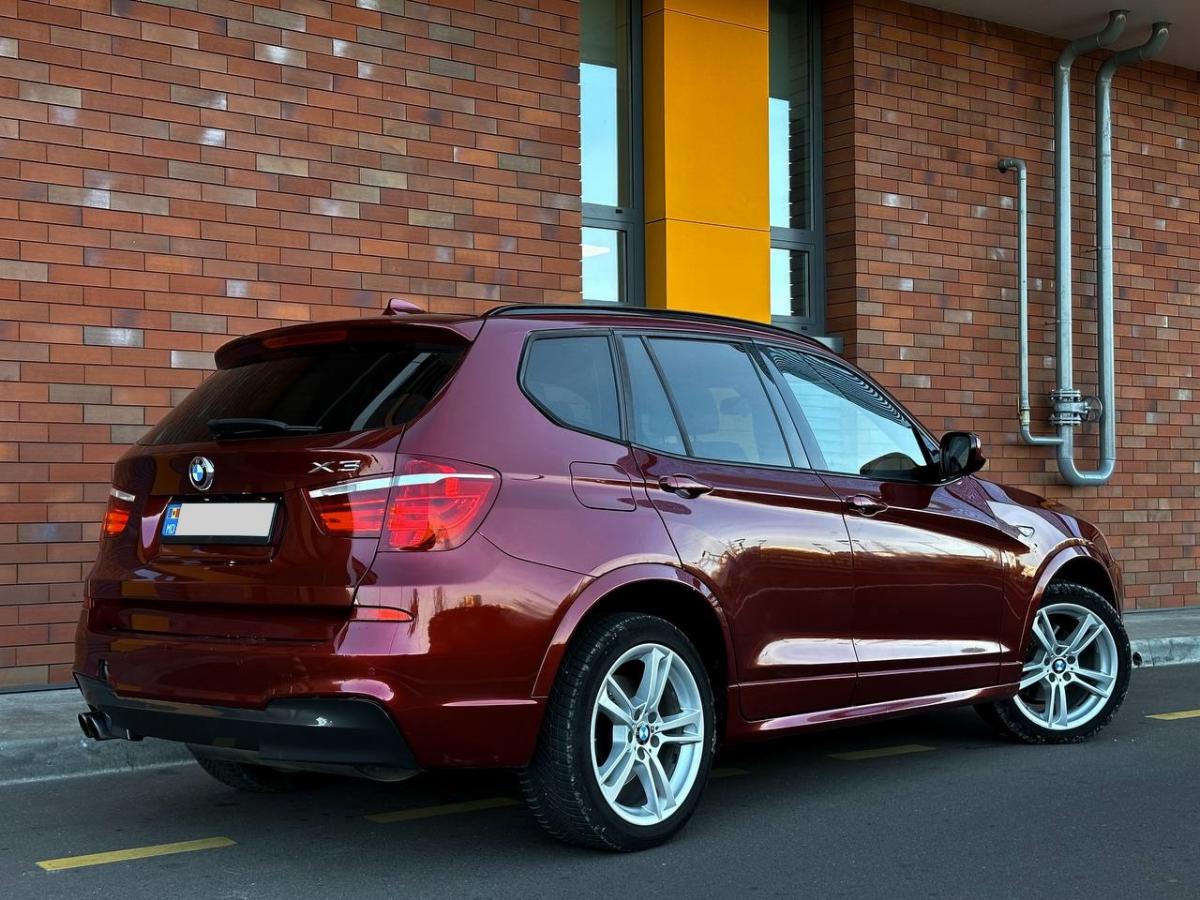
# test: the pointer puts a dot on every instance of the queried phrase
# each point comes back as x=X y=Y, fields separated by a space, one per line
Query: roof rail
x=533 y=309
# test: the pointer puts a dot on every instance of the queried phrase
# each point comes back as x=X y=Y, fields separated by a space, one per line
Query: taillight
x=436 y=505
x=116 y=517
x=429 y=505
x=353 y=509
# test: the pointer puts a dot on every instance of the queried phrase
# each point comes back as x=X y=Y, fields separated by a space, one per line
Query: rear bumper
x=349 y=734
x=457 y=681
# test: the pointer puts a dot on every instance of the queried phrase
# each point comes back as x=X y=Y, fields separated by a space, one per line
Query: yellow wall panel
x=752 y=13
x=705 y=124
x=708 y=268
x=712 y=136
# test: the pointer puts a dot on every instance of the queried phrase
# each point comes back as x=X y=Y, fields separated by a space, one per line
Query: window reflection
x=790 y=116
x=789 y=282
x=609 y=85
x=793 y=132
x=603 y=265
x=604 y=93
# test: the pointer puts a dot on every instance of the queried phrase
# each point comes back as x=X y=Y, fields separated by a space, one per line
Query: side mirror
x=962 y=454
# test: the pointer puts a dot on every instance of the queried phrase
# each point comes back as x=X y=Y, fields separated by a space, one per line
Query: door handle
x=866 y=506
x=684 y=485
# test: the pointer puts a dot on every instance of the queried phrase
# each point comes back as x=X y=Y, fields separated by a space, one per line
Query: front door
x=928 y=555
x=724 y=468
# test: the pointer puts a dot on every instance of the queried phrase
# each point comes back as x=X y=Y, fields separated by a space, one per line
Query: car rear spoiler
x=419 y=328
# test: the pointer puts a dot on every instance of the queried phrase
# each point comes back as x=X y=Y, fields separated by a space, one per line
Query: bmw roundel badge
x=200 y=472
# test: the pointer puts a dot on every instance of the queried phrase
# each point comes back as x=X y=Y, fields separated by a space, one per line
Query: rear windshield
x=318 y=390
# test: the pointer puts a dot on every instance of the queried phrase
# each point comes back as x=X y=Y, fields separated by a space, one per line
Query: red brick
x=921 y=271
x=188 y=192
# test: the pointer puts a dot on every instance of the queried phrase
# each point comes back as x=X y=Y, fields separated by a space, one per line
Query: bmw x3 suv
x=586 y=544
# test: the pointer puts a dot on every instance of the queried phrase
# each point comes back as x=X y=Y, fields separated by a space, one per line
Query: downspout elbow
x=1159 y=32
x=1103 y=38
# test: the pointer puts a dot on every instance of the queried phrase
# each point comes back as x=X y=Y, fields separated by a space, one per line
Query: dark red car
x=584 y=543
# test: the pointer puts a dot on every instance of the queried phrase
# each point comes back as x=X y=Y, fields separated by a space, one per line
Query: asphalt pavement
x=932 y=806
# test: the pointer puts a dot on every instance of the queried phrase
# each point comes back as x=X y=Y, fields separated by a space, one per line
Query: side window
x=858 y=430
x=651 y=421
x=721 y=402
x=572 y=379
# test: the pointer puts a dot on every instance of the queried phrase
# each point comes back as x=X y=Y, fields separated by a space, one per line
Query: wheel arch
x=1077 y=563
x=664 y=591
x=1088 y=571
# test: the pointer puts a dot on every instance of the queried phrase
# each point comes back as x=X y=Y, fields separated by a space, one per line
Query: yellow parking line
x=726 y=772
x=99 y=859
x=1182 y=714
x=445 y=809
x=882 y=751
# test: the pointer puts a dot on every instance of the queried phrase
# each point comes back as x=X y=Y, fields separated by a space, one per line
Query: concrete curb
x=40 y=740
x=1164 y=637
x=44 y=759
x=1166 y=651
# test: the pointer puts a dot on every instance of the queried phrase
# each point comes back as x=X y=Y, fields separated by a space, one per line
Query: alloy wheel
x=1072 y=669
x=647 y=733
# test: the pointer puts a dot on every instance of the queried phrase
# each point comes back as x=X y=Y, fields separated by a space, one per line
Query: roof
x=643 y=317
x=466 y=326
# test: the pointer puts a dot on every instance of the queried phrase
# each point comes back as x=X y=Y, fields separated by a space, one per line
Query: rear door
x=724 y=469
x=927 y=555
x=221 y=513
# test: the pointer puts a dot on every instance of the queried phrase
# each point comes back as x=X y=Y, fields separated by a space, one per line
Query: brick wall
x=176 y=172
x=922 y=256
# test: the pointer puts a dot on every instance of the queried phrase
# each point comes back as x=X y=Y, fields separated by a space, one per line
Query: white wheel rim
x=1072 y=669
x=647 y=734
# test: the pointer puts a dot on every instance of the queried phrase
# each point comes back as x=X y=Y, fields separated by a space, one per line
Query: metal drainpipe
x=1105 y=338
x=1068 y=405
x=1023 y=409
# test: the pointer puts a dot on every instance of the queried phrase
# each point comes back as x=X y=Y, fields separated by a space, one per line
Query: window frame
x=931 y=448
x=799 y=459
x=550 y=334
x=810 y=240
x=629 y=222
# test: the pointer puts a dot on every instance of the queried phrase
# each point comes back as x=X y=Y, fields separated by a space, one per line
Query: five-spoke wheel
x=1073 y=670
x=1076 y=670
x=647 y=727
x=628 y=736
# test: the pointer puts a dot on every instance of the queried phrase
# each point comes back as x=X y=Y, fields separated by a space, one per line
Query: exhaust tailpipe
x=95 y=726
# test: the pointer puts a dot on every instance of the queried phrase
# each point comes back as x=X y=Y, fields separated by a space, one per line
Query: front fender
x=1069 y=553
x=592 y=592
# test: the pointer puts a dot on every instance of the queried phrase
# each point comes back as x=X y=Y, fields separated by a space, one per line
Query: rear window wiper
x=245 y=427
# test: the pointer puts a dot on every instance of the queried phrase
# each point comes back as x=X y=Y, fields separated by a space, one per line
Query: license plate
x=218 y=523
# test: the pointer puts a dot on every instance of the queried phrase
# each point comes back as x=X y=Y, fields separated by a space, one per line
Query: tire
x=252 y=778
x=580 y=737
x=1079 y=710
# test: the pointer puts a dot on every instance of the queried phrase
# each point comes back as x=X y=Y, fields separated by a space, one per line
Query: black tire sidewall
x=641 y=629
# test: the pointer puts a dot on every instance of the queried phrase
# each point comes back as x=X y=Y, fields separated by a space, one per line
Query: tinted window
x=651 y=420
x=572 y=379
x=857 y=428
x=330 y=389
x=720 y=398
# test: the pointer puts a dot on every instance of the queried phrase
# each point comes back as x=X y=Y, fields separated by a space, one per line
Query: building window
x=796 y=194
x=610 y=90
